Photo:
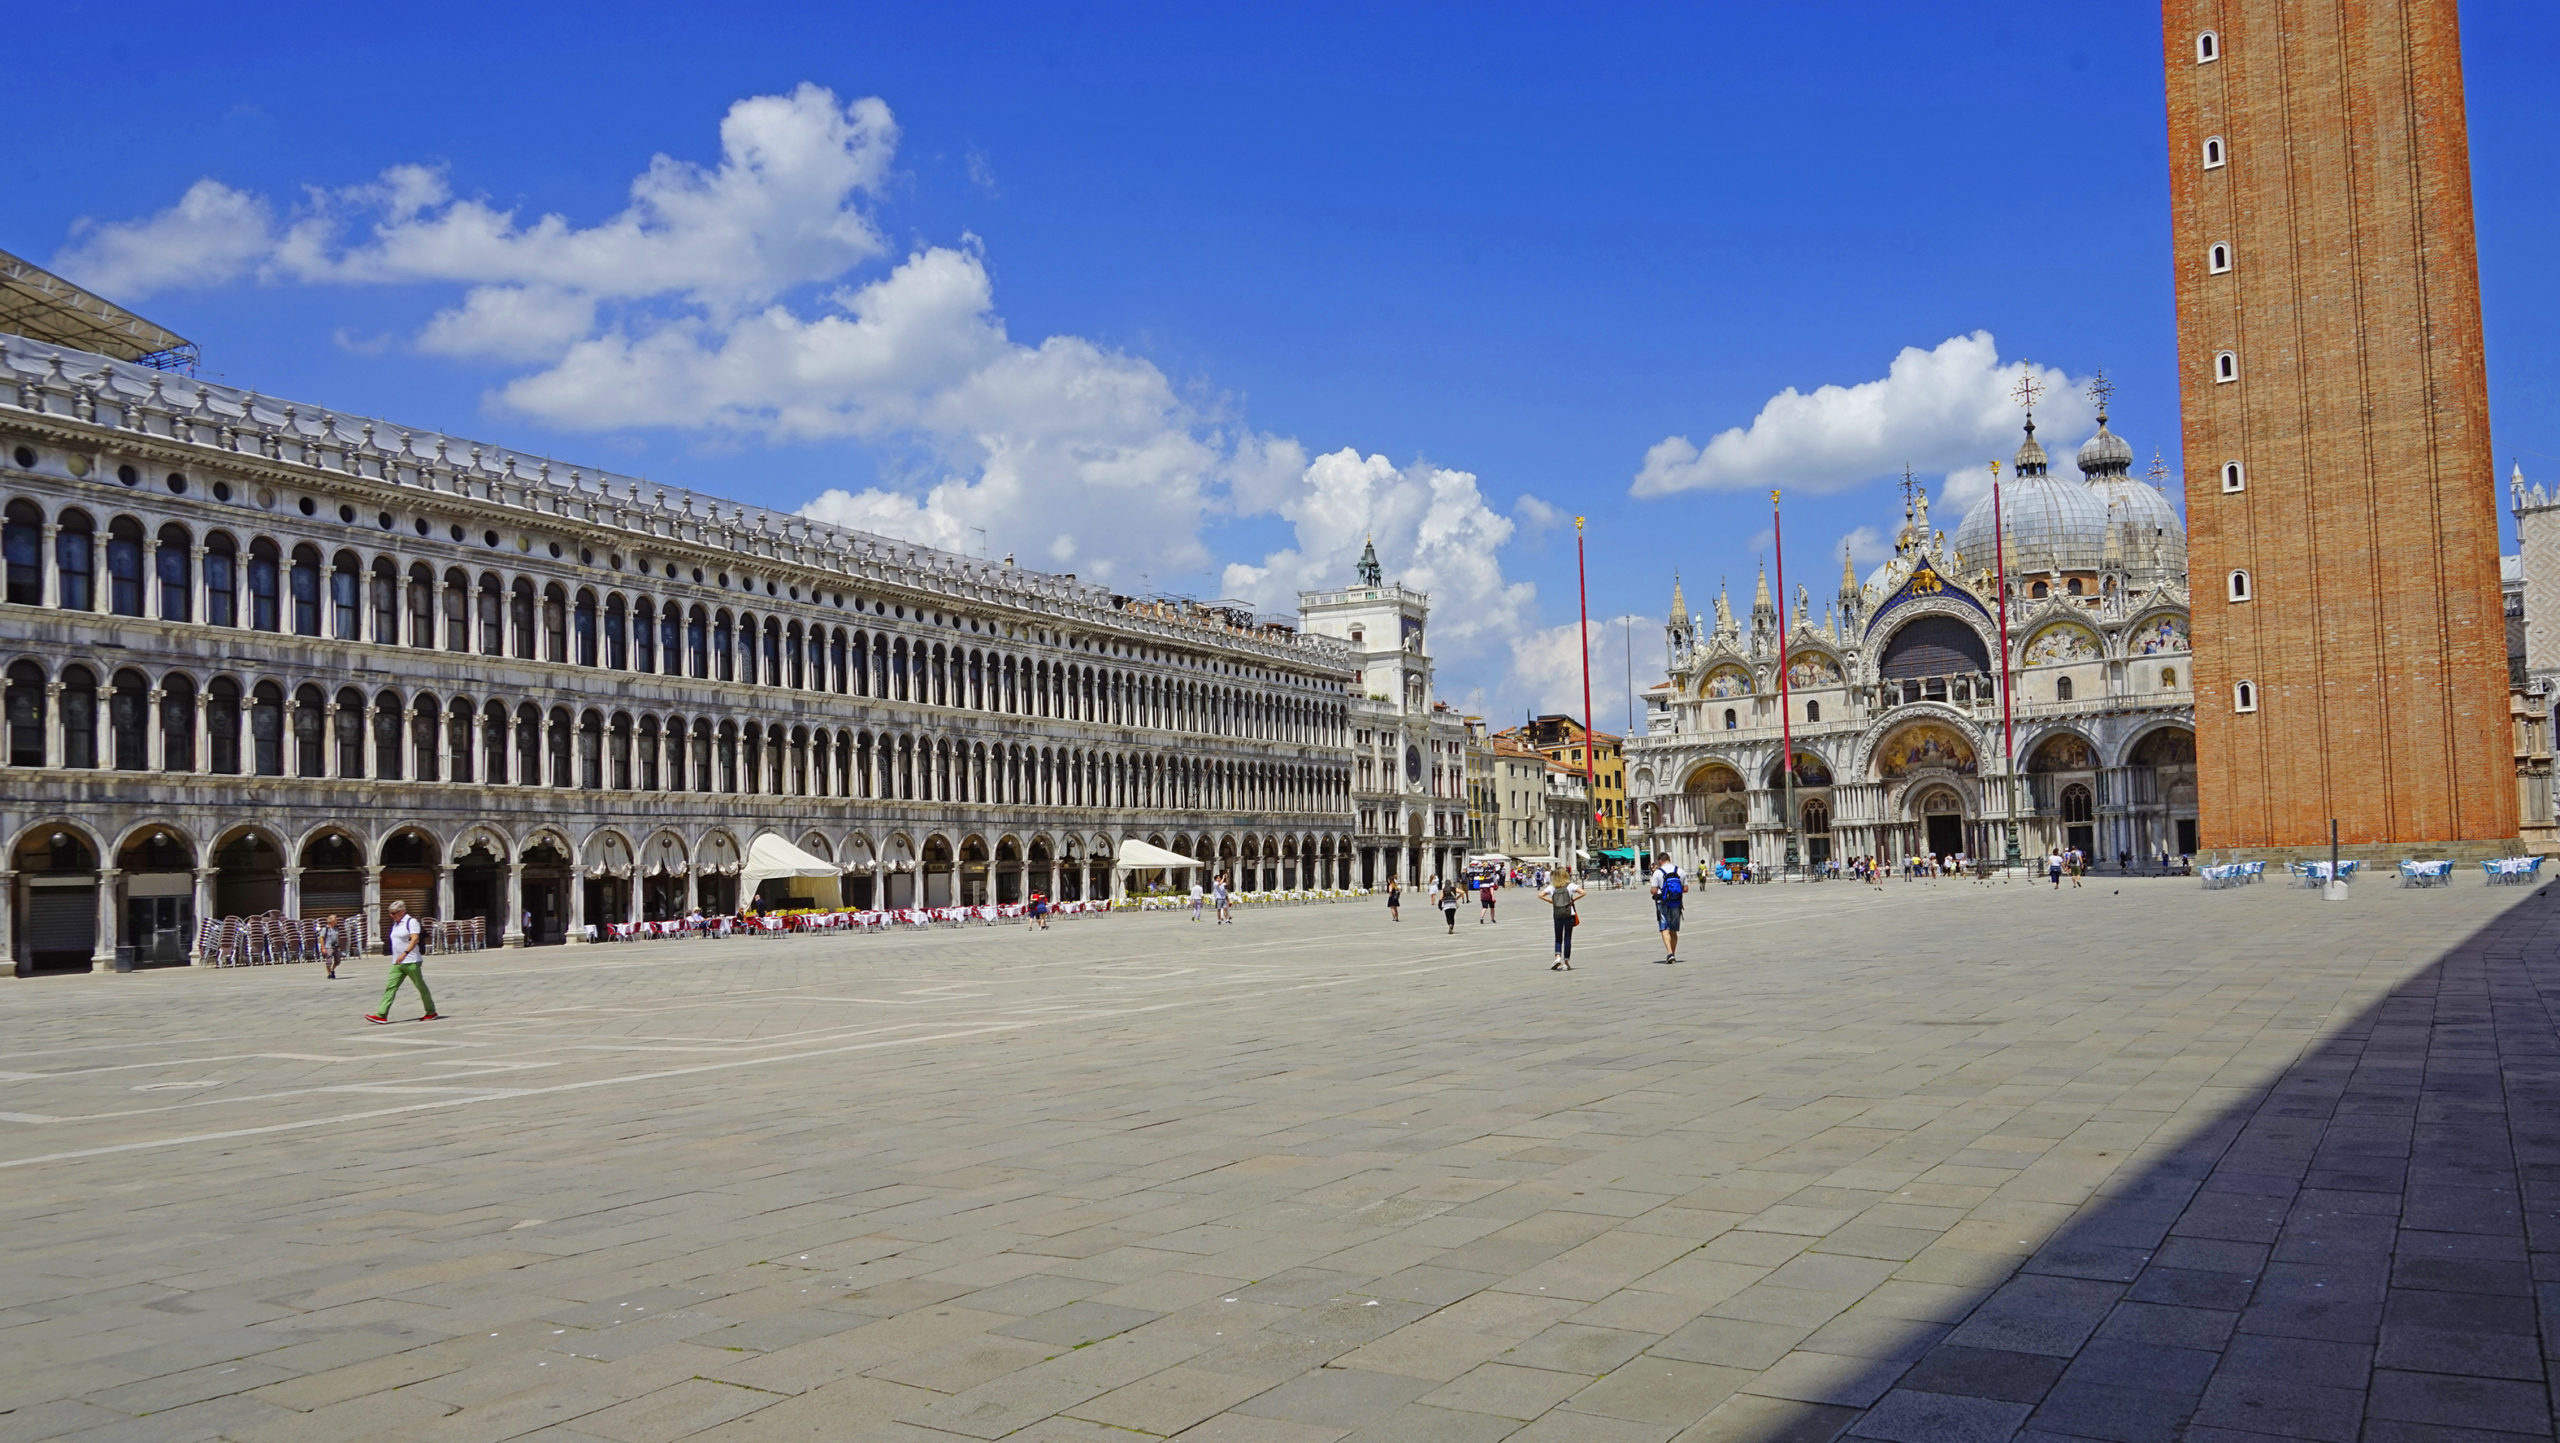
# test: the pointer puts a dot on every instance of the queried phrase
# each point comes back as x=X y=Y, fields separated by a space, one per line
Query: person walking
x=1449 y=906
x=1560 y=894
x=331 y=944
x=1395 y=899
x=1218 y=898
x=1484 y=901
x=1669 y=891
x=2053 y=869
x=1197 y=896
x=407 y=965
x=1038 y=915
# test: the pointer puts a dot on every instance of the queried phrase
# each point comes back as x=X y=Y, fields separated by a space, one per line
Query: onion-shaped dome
x=2105 y=454
x=2054 y=524
x=2142 y=514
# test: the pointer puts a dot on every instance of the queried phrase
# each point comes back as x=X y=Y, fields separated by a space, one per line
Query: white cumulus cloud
x=213 y=235
x=511 y=323
x=753 y=298
x=1936 y=410
x=1435 y=531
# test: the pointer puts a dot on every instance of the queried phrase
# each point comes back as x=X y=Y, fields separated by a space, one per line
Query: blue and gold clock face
x=1412 y=763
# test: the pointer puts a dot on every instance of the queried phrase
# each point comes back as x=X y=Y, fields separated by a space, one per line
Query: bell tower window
x=2213 y=154
x=2217 y=258
x=2208 y=47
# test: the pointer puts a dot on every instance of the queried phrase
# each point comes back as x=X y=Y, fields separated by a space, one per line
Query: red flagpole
x=1582 y=583
x=1786 y=722
x=2008 y=720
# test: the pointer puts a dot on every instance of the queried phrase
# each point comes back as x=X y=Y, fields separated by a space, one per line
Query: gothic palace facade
x=1895 y=701
x=261 y=656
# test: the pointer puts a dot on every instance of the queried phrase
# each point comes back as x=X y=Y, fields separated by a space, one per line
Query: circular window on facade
x=177 y=483
x=586 y=557
x=347 y=514
x=1412 y=763
x=221 y=490
x=128 y=475
x=422 y=526
x=489 y=537
x=697 y=576
x=26 y=459
x=383 y=520
x=555 y=550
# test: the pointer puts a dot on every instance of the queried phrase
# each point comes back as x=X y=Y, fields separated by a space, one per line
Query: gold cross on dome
x=2101 y=390
x=2029 y=390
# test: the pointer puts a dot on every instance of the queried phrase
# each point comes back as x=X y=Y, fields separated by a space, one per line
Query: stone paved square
x=1925 y=1162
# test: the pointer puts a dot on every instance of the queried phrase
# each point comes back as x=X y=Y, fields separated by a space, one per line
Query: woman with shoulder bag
x=1561 y=892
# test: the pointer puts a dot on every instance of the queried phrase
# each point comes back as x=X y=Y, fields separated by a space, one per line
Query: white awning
x=771 y=856
x=1134 y=853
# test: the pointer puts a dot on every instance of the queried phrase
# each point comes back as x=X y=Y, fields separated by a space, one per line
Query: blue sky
x=1124 y=283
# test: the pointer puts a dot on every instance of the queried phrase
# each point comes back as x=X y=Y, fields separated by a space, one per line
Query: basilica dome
x=2054 y=524
x=2145 y=516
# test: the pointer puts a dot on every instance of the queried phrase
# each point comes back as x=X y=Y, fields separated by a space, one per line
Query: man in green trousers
x=407 y=965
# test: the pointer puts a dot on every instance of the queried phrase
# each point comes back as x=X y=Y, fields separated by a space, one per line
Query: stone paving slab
x=1925 y=1162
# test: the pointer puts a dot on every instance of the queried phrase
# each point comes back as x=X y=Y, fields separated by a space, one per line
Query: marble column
x=289 y=893
x=154 y=748
x=53 y=720
x=377 y=923
x=9 y=915
x=103 y=957
x=52 y=567
x=203 y=910
x=577 y=929
x=515 y=905
x=444 y=893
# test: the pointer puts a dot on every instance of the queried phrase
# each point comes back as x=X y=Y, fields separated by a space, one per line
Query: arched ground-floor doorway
x=159 y=920
x=480 y=888
x=248 y=877
x=546 y=894
x=56 y=916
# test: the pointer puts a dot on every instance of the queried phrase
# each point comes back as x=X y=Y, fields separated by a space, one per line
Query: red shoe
x=432 y=1017
x=375 y=1017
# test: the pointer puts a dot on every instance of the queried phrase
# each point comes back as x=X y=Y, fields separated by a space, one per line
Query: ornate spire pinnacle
x=1724 y=609
x=1368 y=569
x=1760 y=603
x=1848 y=573
x=1679 y=603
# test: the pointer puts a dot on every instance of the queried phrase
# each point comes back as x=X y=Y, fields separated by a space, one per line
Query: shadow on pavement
x=2367 y=1250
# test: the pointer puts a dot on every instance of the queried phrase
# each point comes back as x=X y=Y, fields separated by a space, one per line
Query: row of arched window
x=126 y=721
x=68 y=562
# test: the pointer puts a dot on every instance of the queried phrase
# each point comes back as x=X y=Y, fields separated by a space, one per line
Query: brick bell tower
x=2350 y=653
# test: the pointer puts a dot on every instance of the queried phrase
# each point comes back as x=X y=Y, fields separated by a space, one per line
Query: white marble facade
x=1893 y=698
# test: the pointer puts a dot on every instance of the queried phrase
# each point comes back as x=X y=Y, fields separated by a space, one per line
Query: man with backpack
x=1668 y=893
